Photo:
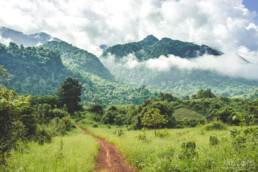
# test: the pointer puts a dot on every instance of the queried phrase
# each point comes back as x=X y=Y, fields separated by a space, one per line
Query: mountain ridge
x=26 y=40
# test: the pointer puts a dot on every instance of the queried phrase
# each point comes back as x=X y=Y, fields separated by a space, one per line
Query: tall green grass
x=167 y=154
x=74 y=152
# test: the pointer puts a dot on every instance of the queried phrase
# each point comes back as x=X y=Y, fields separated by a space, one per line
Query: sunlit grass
x=74 y=152
x=165 y=154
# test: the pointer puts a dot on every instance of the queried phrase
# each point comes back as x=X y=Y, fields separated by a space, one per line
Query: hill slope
x=33 y=70
x=79 y=60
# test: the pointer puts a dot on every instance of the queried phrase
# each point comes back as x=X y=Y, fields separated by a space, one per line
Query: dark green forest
x=33 y=70
x=150 y=47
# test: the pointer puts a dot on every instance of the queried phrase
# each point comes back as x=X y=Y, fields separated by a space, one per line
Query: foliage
x=153 y=118
x=203 y=94
x=33 y=70
x=119 y=132
x=43 y=136
x=69 y=94
x=17 y=121
x=216 y=126
x=214 y=140
x=162 y=133
x=188 y=149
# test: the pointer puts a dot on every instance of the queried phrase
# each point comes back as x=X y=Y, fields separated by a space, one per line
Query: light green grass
x=74 y=152
x=165 y=154
x=184 y=113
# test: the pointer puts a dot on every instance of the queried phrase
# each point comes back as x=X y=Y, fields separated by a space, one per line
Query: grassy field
x=73 y=152
x=167 y=154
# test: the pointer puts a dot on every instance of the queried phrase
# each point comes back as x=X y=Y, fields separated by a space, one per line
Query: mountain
x=150 y=47
x=34 y=70
x=104 y=88
x=79 y=60
x=179 y=82
x=26 y=40
x=39 y=71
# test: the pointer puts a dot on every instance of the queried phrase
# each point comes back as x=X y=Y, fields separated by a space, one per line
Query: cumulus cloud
x=223 y=24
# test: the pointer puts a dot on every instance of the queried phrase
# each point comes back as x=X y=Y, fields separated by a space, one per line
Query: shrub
x=216 y=126
x=162 y=133
x=189 y=149
x=60 y=126
x=119 y=132
x=214 y=140
x=58 y=113
x=43 y=136
x=142 y=136
x=95 y=126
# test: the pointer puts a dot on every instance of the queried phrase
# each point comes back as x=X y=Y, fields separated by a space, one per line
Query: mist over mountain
x=20 y=38
x=180 y=68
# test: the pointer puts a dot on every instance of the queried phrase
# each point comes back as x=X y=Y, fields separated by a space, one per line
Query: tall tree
x=69 y=94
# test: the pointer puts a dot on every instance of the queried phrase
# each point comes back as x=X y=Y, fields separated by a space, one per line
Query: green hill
x=78 y=59
x=33 y=70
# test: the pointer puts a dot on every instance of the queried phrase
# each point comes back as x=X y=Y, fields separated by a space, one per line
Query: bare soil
x=109 y=158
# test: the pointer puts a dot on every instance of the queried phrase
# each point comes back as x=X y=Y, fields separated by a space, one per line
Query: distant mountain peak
x=151 y=38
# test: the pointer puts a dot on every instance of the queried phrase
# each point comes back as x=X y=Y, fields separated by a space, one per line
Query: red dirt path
x=109 y=158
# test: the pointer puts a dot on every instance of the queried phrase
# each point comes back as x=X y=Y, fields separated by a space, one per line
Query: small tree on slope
x=153 y=118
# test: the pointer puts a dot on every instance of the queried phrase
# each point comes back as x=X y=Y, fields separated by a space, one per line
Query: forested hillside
x=39 y=71
x=150 y=47
x=79 y=60
x=33 y=70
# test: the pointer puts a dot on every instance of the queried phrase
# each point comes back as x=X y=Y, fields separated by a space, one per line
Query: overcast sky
x=227 y=25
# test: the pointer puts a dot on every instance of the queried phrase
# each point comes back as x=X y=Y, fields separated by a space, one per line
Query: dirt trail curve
x=109 y=158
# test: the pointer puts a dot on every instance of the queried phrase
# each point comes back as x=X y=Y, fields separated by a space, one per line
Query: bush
x=43 y=136
x=216 y=126
x=214 y=140
x=59 y=113
x=142 y=136
x=189 y=149
x=60 y=126
x=95 y=126
x=119 y=132
x=162 y=133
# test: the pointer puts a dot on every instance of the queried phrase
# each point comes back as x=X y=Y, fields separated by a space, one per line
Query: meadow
x=190 y=149
x=74 y=152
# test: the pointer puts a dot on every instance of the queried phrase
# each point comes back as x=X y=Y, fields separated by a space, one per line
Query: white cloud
x=223 y=24
x=4 y=40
